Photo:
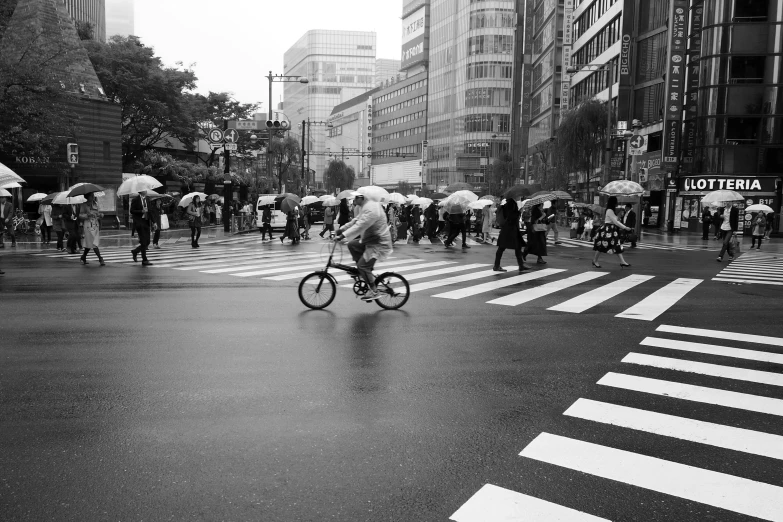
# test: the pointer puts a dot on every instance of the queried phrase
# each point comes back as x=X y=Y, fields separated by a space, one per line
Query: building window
x=106 y=151
x=751 y=10
x=652 y=14
x=747 y=69
x=490 y=43
x=648 y=103
x=651 y=57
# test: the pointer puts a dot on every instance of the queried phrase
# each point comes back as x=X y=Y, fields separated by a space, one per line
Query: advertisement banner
x=625 y=70
x=414 y=25
x=675 y=83
x=413 y=52
x=568 y=37
x=692 y=87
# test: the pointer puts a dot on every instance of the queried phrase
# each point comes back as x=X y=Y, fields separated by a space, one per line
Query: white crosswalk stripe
x=494 y=285
x=754 y=268
x=692 y=482
x=530 y=294
x=595 y=297
x=407 y=264
x=654 y=305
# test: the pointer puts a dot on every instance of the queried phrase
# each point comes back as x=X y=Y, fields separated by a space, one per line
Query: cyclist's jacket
x=371 y=225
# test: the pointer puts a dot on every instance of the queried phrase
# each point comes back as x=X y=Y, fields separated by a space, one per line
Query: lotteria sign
x=740 y=184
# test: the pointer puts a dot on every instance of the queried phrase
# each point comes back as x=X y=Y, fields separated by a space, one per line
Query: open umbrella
x=560 y=194
x=288 y=204
x=438 y=195
x=325 y=197
x=396 y=197
x=36 y=197
x=517 y=191
x=5 y=194
x=467 y=194
x=136 y=183
x=214 y=196
x=308 y=200
x=460 y=185
x=331 y=201
x=7 y=176
x=622 y=187
x=11 y=185
x=345 y=194
x=188 y=198
x=537 y=200
x=759 y=208
x=456 y=205
x=721 y=196
x=424 y=202
x=374 y=193
x=480 y=204
x=62 y=199
x=80 y=189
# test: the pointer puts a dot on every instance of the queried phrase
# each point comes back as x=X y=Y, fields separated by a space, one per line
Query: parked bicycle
x=318 y=290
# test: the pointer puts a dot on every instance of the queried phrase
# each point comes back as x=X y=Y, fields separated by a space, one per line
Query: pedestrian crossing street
x=754 y=268
x=652 y=473
x=563 y=243
x=648 y=296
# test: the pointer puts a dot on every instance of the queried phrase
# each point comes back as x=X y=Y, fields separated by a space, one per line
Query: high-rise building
x=120 y=17
x=348 y=138
x=386 y=68
x=339 y=65
x=471 y=48
x=92 y=11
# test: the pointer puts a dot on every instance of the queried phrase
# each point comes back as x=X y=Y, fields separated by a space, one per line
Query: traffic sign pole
x=228 y=187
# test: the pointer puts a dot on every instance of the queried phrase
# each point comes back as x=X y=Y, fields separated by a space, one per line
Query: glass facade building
x=385 y=69
x=471 y=44
x=92 y=11
x=339 y=65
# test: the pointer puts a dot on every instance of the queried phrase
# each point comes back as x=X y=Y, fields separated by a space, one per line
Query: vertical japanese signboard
x=675 y=83
x=692 y=87
x=625 y=70
x=568 y=37
x=527 y=80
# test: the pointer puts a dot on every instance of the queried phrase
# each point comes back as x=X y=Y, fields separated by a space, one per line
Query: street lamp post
x=610 y=77
x=277 y=78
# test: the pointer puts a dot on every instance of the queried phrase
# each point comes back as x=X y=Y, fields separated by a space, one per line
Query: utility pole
x=228 y=186
x=305 y=172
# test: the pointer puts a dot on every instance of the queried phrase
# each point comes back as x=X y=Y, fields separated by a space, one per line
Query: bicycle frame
x=350 y=269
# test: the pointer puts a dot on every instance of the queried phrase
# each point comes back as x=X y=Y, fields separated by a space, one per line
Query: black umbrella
x=288 y=204
x=85 y=188
x=438 y=195
x=516 y=192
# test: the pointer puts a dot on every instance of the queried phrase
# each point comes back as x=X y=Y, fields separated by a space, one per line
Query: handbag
x=539 y=227
x=164 y=222
x=632 y=238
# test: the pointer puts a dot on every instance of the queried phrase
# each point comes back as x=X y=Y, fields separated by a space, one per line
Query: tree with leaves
x=581 y=138
x=500 y=174
x=153 y=98
x=339 y=175
x=286 y=154
x=33 y=117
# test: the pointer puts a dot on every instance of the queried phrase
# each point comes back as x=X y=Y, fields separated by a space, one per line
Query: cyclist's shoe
x=371 y=296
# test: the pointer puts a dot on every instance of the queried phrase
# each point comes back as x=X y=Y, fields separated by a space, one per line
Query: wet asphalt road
x=151 y=394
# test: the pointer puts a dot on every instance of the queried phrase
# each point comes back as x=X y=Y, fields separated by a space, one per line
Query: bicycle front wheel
x=394 y=290
x=317 y=290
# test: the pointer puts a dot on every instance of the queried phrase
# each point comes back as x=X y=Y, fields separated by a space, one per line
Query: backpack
x=500 y=216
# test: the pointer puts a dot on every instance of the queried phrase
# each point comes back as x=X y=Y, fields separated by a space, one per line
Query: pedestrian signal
x=73 y=153
x=278 y=124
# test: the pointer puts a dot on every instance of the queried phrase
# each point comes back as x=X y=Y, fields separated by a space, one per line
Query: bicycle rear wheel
x=394 y=290
x=317 y=290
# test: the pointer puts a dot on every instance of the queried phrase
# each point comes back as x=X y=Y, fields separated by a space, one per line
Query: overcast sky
x=228 y=43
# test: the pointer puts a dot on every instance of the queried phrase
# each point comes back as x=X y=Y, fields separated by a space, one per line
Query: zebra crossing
x=655 y=473
x=754 y=268
x=632 y=296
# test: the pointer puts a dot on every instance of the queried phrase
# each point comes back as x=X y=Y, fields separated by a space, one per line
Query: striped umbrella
x=537 y=200
x=560 y=194
x=622 y=187
x=7 y=176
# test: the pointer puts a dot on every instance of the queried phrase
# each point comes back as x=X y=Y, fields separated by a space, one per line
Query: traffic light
x=278 y=125
x=73 y=153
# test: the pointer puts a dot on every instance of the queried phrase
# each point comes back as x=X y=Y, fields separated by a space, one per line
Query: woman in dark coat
x=510 y=236
x=536 y=241
x=345 y=213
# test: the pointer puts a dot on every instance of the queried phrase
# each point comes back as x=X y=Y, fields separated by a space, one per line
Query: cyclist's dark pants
x=365 y=267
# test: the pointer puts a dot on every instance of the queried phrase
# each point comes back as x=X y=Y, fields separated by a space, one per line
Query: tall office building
x=386 y=68
x=339 y=65
x=120 y=17
x=470 y=82
x=92 y=11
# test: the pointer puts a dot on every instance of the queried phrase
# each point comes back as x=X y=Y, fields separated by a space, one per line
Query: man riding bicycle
x=373 y=243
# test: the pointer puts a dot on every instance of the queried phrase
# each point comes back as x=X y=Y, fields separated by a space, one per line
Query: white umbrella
x=307 y=200
x=396 y=197
x=325 y=197
x=374 y=193
x=758 y=207
x=5 y=194
x=411 y=197
x=11 y=185
x=467 y=194
x=187 y=198
x=331 y=201
x=63 y=199
x=721 y=196
x=136 y=183
x=481 y=203
x=36 y=197
x=7 y=176
x=424 y=202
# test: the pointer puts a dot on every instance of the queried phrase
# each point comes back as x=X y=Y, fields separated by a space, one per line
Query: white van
x=278 y=217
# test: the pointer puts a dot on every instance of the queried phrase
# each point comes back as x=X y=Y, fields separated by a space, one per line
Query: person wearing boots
x=195 y=216
x=90 y=215
x=266 y=222
x=70 y=217
x=510 y=235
